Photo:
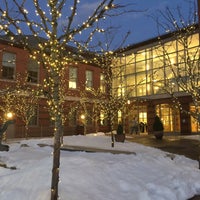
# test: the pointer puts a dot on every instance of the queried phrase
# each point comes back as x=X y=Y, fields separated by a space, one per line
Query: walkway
x=173 y=144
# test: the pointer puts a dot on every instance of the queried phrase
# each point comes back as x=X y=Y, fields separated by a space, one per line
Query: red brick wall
x=44 y=127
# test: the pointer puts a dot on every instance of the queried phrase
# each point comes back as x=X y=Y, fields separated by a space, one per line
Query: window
x=140 y=56
x=119 y=116
x=102 y=83
x=8 y=65
x=89 y=79
x=169 y=116
x=33 y=68
x=140 y=66
x=195 y=127
x=72 y=77
x=193 y=40
x=103 y=118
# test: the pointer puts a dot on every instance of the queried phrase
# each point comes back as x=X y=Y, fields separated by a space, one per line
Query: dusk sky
x=141 y=25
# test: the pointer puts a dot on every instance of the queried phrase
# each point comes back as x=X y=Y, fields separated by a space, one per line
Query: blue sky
x=139 y=23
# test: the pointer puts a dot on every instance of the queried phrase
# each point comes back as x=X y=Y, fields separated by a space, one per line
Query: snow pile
x=149 y=174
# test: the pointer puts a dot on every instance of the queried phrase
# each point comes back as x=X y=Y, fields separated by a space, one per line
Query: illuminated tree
x=95 y=99
x=56 y=21
x=21 y=100
x=182 y=69
x=6 y=104
x=108 y=100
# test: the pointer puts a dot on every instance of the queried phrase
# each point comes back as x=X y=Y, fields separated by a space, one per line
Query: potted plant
x=158 y=128
x=120 y=136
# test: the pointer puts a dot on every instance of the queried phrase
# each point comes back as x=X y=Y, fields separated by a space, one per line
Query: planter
x=158 y=128
x=120 y=138
x=4 y=147
x=158 y=135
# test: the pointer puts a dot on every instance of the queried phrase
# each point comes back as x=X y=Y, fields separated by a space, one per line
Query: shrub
x=120 y=129
x=158 y=125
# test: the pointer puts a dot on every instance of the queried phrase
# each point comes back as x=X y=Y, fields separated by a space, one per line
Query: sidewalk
x=174 y=144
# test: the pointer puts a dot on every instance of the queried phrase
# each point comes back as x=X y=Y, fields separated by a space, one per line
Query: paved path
x=178 y=145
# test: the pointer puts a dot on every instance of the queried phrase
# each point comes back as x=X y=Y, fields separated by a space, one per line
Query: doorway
x=169 y=116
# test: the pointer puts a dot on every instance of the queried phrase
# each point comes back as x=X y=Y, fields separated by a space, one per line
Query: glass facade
x=152 y=69
x=147 y=71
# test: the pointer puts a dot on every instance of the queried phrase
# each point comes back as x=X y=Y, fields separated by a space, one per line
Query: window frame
x=8 y=67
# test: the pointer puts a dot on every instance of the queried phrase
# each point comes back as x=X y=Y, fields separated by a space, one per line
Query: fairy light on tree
x=19 y=19
x=183 y=70
x=21 y=99
x=111 y=100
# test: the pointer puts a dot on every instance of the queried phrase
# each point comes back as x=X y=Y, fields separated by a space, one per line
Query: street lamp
x=82 y=116
x=9 y=115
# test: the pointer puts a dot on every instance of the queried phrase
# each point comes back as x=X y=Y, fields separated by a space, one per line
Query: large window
x=155 y=69
x=89 y=79
x=169 y=116
x=72 y=77
x=193 y=40
x=140 y=66
x=103 y=118
x=194 y=122
x=8 y=65
x=141 y=84
x=33 y=68
x=102 y=83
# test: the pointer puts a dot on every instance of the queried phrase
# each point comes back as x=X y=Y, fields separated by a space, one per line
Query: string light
x=52 y=53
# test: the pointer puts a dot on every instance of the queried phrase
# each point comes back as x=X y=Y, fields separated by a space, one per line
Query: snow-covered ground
x=149 y=174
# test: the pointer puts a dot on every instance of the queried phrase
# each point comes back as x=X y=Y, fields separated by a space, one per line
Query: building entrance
x=195 y=127
x=170 y=117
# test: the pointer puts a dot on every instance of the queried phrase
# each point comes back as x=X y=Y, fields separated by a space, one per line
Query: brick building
x=145 y=72
x=79 y=77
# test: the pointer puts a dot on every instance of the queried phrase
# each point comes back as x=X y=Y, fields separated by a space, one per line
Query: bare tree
x=56 y=21
x=181 y=55
x=109 y=101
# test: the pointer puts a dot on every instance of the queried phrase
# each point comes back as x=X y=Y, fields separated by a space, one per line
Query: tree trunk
x=56 y=110
x=56 y=161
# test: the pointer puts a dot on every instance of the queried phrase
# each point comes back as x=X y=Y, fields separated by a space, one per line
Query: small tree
x=37 y=19
x=21 y=100
x=184 y=69
x=157 y=125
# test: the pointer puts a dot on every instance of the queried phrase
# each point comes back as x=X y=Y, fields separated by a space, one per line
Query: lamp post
x=9 y=115
x=7 y=121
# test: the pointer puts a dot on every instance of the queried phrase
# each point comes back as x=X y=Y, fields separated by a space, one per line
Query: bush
x=120 y=129
x=157 y=125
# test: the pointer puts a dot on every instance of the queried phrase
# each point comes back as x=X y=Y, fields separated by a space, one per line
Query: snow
x=146 y=174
